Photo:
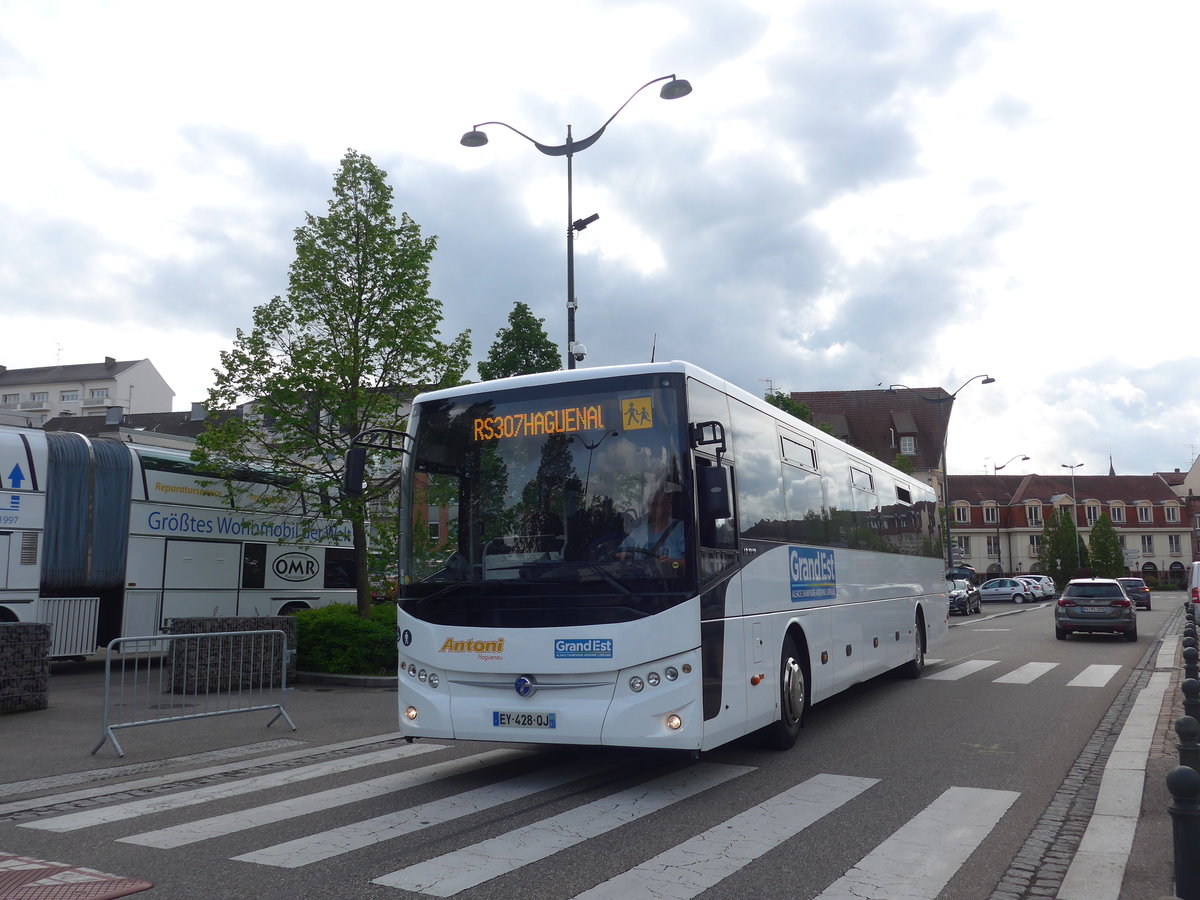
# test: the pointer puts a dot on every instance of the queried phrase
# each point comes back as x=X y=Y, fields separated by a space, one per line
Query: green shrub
x=335 y=639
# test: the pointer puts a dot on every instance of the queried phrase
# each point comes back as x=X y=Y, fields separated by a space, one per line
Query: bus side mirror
x=713 y=483
x=356 y=466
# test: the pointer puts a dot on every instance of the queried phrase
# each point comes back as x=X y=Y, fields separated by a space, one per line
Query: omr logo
x=295 y=566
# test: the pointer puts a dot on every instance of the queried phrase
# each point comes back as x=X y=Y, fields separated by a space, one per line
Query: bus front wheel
x=793 y=695
x=915 y=666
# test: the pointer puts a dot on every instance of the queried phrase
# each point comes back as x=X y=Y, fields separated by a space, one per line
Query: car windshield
x=1093 y=591
x=960 y=585
x=1135 y=583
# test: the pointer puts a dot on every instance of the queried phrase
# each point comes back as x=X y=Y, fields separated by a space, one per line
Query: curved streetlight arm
x=1020 y=456
x=573 y=146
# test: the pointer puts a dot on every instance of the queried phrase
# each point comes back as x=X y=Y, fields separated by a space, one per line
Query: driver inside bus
x=657 y=534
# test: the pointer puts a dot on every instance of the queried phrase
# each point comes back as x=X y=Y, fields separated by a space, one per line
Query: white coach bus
x=106 y=539
x=648 y=556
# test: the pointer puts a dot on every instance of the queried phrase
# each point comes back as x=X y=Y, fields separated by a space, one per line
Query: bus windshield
x=555 y=504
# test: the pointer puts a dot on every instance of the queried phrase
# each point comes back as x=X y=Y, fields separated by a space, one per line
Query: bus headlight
x=434 y=681
x=636 y=684
x=652 y=679
x=671 y=673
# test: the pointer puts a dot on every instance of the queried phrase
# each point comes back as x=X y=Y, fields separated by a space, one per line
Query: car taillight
x=1119 y=603
x=1196 y=595
x=1063 y=601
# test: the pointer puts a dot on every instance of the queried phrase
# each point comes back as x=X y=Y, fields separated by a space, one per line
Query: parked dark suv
x=1137 y=591
x=1095 y=604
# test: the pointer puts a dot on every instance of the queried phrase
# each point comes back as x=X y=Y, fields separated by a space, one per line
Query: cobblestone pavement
x=1040 y=867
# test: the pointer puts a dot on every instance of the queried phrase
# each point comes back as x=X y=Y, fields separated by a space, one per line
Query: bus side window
x=340 y=569
x=254 y=565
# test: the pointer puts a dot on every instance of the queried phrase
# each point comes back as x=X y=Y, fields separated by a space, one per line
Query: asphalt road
x=933 y=786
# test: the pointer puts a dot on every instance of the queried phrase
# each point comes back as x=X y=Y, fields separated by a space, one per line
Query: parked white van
x=1194 y=584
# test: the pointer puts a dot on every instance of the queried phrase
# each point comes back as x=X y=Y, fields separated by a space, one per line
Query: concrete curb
x=364 y=681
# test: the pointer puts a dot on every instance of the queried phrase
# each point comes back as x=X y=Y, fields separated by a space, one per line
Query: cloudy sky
x=856 y=193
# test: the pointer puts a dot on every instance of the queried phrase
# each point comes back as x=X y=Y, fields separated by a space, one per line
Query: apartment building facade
x=82 y=389
x=997 y=520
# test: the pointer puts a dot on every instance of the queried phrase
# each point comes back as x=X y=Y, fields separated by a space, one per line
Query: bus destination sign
x=538 y=423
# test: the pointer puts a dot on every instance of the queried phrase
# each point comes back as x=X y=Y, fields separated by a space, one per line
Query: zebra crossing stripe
x=1025 y=674
x=1097 y=675
x=148 y=805
x=453 y=872
x=918 y=860
x=230 y=823
x=316 y=847
x=962 y=670
x=697 y=864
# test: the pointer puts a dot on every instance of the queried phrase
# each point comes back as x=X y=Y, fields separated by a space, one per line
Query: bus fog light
x=671 y=673
x=652 y=679
x=434 y=681
x=674 y=722
x=410 y=713
x=636 y=684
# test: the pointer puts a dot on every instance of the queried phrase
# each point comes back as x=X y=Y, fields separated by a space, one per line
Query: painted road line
x=52 y=782
x=697 y=864
x=1025 y=674
x=242 y=820
x=1097 y=675
x=453 y=872
x=1098 y=867
x=917 y=861
x=191 y=775
x=962 y=670
x=164 y=802
x=355 y=836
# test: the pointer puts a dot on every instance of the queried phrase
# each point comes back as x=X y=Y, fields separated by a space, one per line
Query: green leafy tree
x=1059 y=545
x=789 y=405
x=1104 y=549
x=904 y=463
x=353 y=339
x=523 y=348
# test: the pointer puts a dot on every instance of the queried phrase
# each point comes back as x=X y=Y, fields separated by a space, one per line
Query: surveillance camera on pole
x=578 y=351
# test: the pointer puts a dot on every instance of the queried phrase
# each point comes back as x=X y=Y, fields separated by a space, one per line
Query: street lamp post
x=949 y=398
x=996 y=474
x=672 y=90
x=1074 y=511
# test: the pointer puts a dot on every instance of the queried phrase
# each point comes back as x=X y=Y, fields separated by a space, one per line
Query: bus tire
x=290 y=609
x=793 y=698
x=915 y=666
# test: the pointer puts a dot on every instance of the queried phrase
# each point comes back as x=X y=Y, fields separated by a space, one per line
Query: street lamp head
x=1076 y=466
x=987 y=379
x=473 y=138
x=675 y=88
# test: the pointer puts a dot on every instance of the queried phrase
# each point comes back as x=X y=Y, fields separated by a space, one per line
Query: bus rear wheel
x=793 y=696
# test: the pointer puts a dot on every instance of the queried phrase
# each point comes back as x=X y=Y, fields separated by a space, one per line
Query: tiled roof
x=1105 y=489
x=871 y=417
x=79 y=372
x=167 y=423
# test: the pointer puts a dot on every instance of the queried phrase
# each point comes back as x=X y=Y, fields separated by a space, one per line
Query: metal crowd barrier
x=178 y=677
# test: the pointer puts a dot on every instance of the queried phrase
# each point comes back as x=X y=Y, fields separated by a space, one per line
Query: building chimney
x=3 y=369
x=199 y=413
x=109 y=361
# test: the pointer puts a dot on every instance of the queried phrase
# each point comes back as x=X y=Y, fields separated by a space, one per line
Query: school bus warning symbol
x=637 y=412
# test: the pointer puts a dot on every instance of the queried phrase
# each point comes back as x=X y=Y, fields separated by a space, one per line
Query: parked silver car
x=1006 y=589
